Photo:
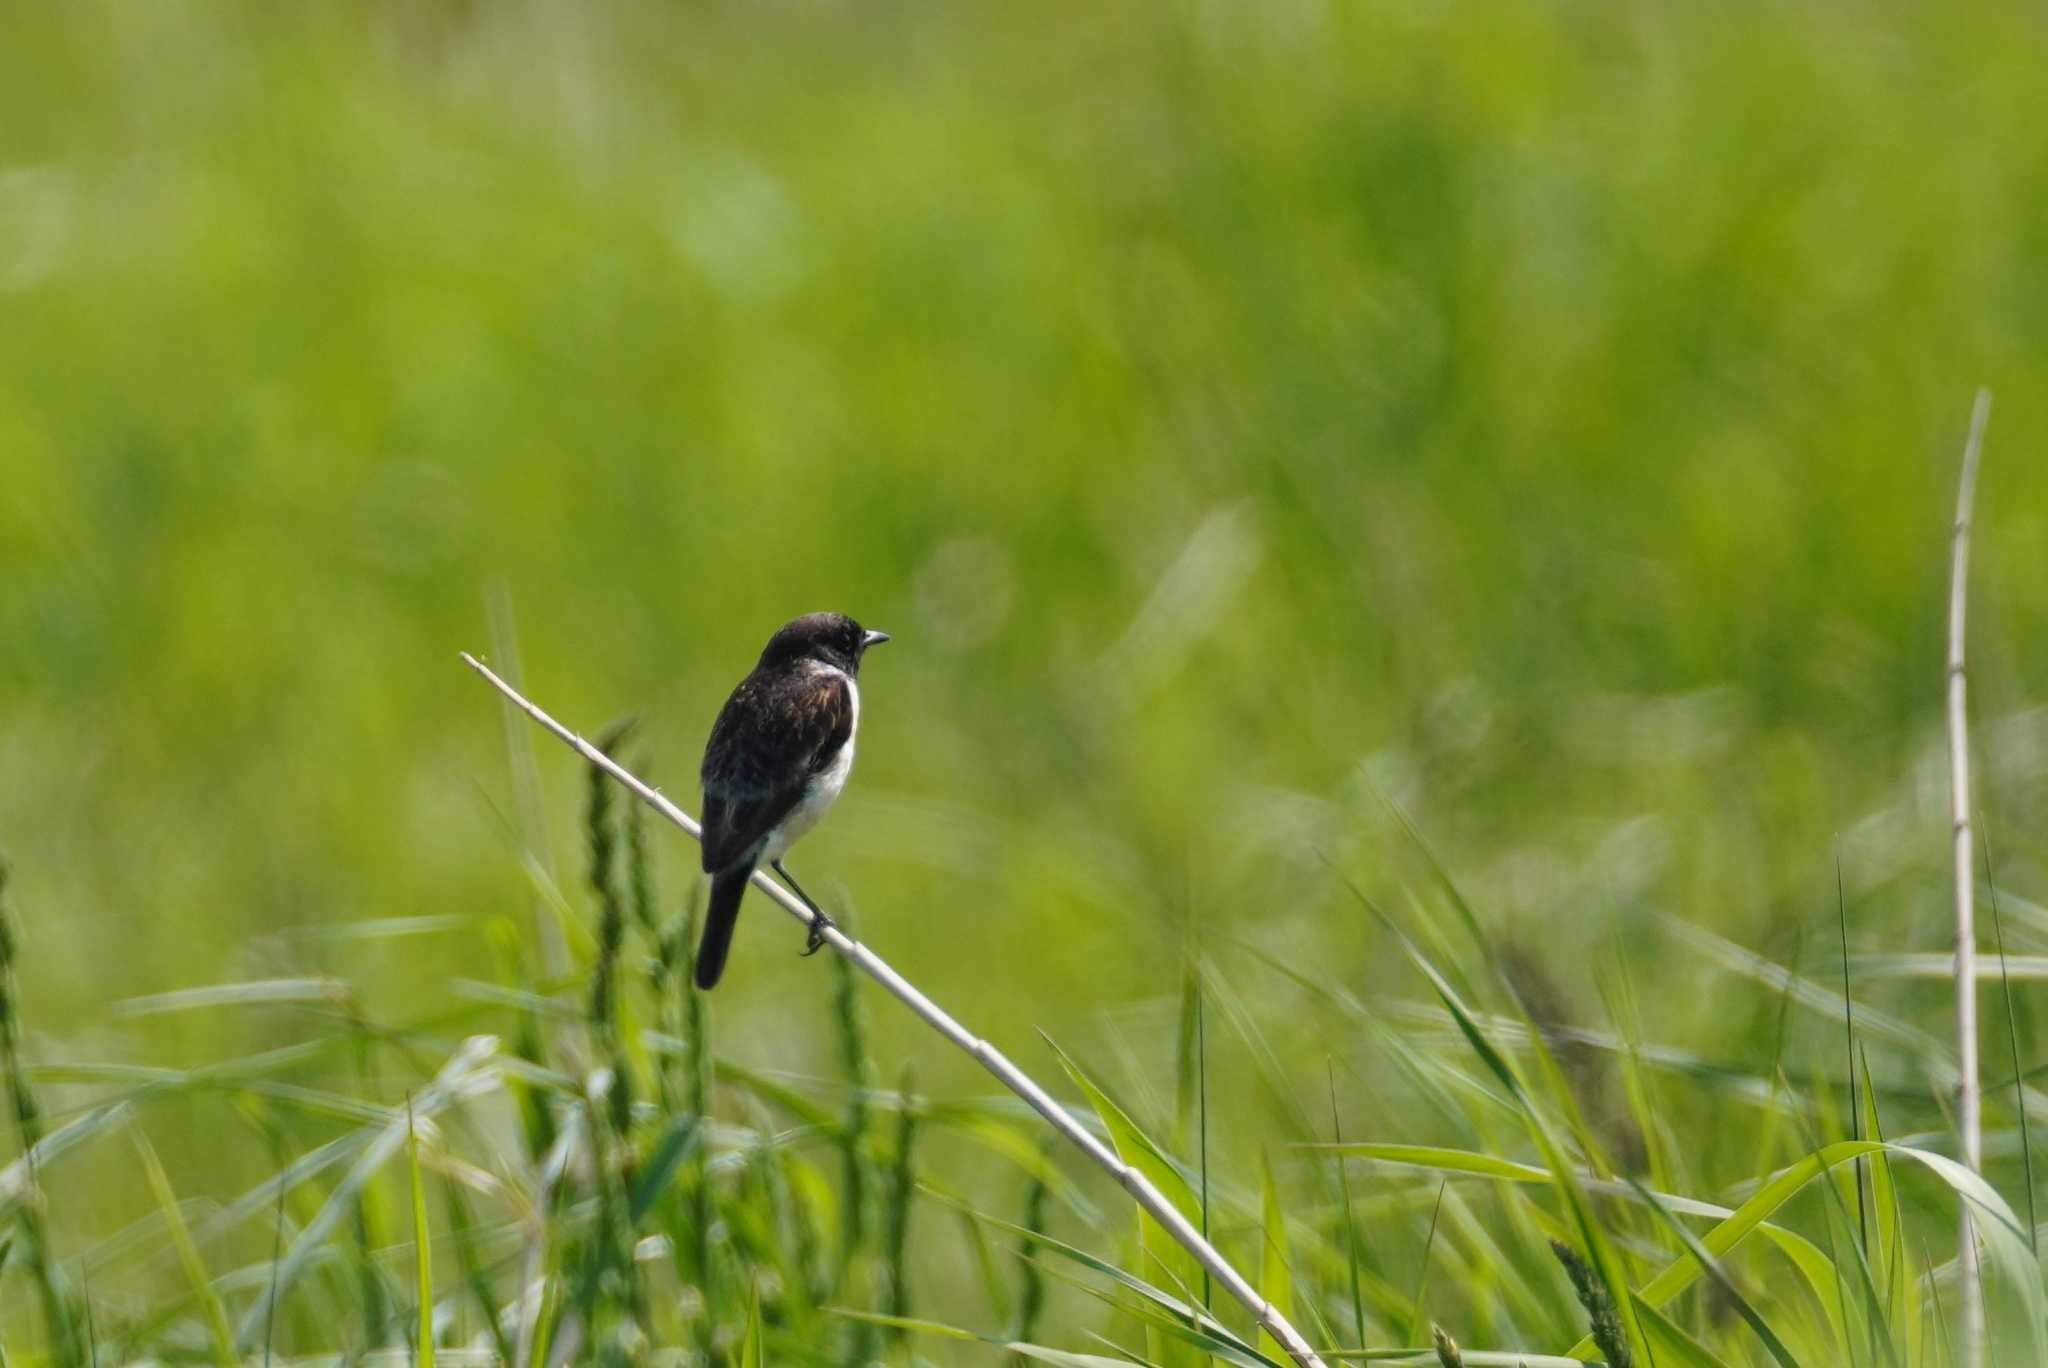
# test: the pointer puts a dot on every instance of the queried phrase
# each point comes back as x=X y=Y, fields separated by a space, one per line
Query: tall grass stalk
x=703 y=1200
x=276 y=1260
x=1601 y=1314
x=462 y=1228
x=60 y=1317
x=1141 y=1188
x=857 y=1180
x=601 y=833
x=1202 y=1120
x=220 y=1339
x=1349 y=1227
x=902 y=1190
x=1969 y=1104
x=664 y=945
x=2012 y=1036
x=423 y=1246
x=1031 y=1286
x=1849 y=1035
x=1712 y=1267
x=1416 y=1317
x=859 y=1067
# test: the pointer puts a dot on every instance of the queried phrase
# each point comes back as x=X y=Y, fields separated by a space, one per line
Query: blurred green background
x=1543 y=417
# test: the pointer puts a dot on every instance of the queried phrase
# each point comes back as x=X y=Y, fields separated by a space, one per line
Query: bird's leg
x=819 y=921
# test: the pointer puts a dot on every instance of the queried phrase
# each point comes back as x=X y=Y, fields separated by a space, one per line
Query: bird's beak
x=873 y=639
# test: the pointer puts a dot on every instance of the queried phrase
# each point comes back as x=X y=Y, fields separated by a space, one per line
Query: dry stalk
x=1969 y=1101
x=1009 y=1075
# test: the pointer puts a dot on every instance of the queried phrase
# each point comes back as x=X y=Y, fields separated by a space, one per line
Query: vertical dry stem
x=1969 y=1103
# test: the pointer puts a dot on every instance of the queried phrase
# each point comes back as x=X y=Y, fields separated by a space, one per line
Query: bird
x=777 y=760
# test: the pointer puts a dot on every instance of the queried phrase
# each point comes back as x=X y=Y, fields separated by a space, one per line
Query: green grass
x=630 y=1230
x=1501 y=461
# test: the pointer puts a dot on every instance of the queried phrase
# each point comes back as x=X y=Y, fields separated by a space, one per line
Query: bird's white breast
x=823 y=790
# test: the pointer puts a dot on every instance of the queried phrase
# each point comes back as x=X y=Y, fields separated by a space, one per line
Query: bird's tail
x=719 y=920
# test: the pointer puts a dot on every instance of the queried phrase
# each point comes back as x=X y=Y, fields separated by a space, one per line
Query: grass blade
x=1138 y=1149
x=1202 y=1123
x=1182 y=1312
x=2012 y=1035
x=1772 y=1344
x=1037 y=1353
x=466 y=1069
x=902 y=1192
x=1417 y=1317
x=751 y=1352
x=1849 y=1032
x=1600 y=1250
x=1276 y=1282
x=423 y=1253
x=1344 y=1190
x=1672 y=1346
x=1900 y=1287
x=2003 y=1236
x=678 y=1142
x=218 y=1335
x=1031 y=1285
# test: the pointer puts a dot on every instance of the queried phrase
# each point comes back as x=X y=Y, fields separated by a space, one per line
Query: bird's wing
x=774 y=734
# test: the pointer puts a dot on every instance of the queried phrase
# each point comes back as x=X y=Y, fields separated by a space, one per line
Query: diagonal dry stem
x=1015 y=1079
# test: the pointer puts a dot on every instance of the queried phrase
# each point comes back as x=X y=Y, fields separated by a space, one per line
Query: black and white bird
x=778 y=758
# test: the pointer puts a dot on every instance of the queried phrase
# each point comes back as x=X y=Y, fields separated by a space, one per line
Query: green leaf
x=470 y=1069
x=678 y=1141
x=1350 y=1226
x=1672 y=1347
x=993 y=1286
x=217 y=1333
x=262 y=993
x=1013 y=1143
x=1138 y=1149
x=1206 y=1338
x=1599 y=1249
x=750 y=1346
x=1439 y=1159
x=15 y=1178
x=1133 y=1145
x=1273 y=1074
x=1179 y=1310
x=423 y=1250
x=1276 y=1282
x=2004 y=1239
x=1038 y=1353
x=1901 y=1287
x=1813 y=1265
x=1749 y=1314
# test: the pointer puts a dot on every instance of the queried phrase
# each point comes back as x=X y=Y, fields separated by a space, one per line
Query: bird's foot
x=819 y=924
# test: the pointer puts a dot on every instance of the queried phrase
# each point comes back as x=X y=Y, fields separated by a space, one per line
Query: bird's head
x=828 y=638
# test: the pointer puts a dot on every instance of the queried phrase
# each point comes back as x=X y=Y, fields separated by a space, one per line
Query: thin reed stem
x=1969 y=1101
x=1142 y=1191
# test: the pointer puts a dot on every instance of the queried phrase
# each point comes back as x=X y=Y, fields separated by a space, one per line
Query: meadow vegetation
x=1415 y=541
